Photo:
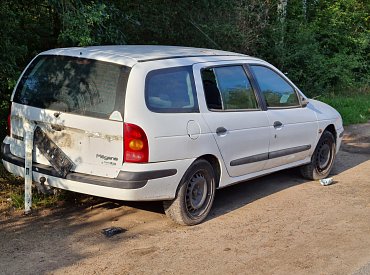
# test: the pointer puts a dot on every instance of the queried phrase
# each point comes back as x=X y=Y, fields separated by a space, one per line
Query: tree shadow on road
x=50 y=240
x=60 y=238
x=231 y=198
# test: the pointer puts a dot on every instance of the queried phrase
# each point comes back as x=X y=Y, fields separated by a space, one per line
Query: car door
x=293 y=127
x=234 y=116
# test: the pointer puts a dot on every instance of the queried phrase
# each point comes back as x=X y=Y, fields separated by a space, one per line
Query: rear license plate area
x=56 y=157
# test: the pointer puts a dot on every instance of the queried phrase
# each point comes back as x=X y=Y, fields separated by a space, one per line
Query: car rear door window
x=228 y=88
x=277 y=92
x=171 y=90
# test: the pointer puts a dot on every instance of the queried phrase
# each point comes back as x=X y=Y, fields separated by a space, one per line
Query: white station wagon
x=163 y=123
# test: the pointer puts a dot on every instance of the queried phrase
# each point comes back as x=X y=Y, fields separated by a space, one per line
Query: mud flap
x=29 y=128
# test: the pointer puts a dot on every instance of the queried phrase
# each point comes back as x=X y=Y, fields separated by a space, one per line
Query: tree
x=323 y=45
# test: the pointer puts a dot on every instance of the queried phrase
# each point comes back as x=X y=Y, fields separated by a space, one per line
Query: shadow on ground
x=75 y=231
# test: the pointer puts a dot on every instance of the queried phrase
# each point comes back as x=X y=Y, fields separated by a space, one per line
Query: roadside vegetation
x=12 y=195
x=354 y=108
x=322 y=45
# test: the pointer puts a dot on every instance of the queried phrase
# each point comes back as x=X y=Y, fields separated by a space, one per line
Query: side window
x=171 y=90
x=276 y=91
x=228 y=88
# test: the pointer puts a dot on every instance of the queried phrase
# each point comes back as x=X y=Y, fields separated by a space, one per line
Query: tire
x=322 y=159
x=195 y=195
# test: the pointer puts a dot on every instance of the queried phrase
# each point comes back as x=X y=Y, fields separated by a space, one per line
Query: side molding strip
x=271 y=155
x=250 y=159
x=288 y=151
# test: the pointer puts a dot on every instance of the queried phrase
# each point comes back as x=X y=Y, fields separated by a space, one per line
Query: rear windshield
x=74 y=85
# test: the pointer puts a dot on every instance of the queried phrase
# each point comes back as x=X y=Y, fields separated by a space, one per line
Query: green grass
x=353 y=108
x=12 y=194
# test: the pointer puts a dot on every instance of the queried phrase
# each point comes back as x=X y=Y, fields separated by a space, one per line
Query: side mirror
x=304 y=101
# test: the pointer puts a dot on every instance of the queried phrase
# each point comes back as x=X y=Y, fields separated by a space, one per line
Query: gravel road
x=277 y=224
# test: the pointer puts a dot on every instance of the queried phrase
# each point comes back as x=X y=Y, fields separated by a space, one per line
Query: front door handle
x=221 y=131
x=278 y=124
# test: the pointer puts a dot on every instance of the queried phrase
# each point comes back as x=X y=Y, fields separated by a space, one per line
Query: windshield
x=74 y=85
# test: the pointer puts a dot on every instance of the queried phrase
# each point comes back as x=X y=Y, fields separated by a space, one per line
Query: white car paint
x=175 y=140
x=299 y=128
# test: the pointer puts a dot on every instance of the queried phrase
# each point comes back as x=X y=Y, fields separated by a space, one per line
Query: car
x=165 y=123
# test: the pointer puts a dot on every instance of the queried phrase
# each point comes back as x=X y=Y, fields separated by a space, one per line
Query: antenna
x=206 y=35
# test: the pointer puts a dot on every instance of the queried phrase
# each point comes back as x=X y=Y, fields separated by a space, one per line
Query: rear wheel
x=195 y=195
x=322 y=159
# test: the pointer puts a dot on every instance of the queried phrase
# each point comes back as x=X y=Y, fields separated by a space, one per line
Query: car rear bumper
x=152 y=181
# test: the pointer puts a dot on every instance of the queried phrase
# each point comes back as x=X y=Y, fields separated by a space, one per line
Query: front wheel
x=195 y=195
x=322 y=159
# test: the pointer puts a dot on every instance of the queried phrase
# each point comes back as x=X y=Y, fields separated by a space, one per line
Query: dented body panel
x=91 y=143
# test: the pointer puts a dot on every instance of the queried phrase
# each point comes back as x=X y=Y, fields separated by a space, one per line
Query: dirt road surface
x=277 y=224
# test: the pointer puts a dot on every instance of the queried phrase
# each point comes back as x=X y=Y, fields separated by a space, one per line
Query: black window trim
x=194 y=109
x=248 y=66
x=251 y=81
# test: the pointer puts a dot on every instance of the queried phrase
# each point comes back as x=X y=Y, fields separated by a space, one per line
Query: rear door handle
x=278 y=124
x=221 y=131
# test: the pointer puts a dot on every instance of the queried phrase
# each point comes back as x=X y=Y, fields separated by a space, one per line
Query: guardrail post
x=29 y=128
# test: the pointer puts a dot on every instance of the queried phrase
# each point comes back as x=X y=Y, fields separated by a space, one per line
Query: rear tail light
x=136 y=147
x=9 y=125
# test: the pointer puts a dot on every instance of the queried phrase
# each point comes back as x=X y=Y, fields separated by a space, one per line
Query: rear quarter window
x=171 y=90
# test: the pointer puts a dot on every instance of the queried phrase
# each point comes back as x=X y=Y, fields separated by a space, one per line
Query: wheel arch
x=315 y=170
x=331 y=129
x=215 y=163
